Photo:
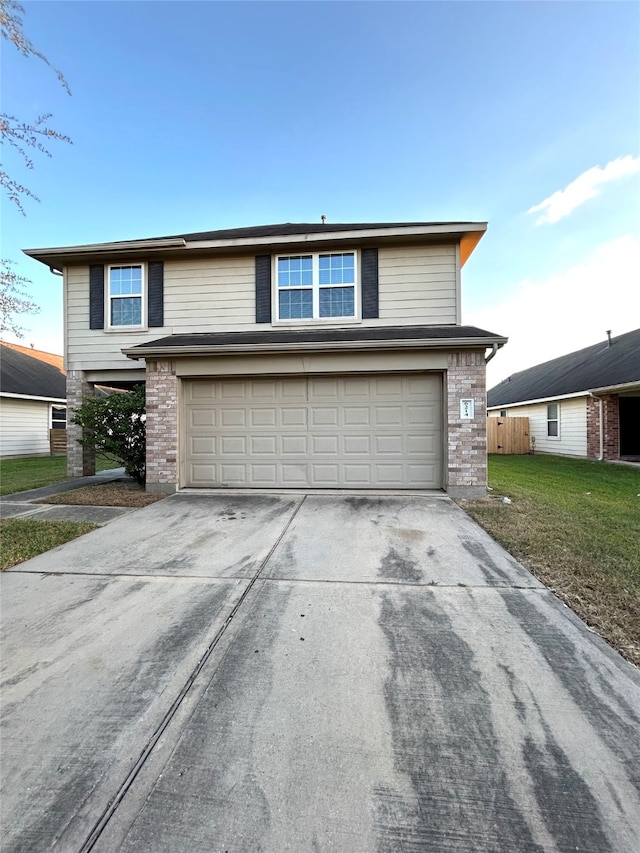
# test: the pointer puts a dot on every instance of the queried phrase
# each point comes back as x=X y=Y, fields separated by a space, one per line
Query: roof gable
x=31 y=373
x=598 y=366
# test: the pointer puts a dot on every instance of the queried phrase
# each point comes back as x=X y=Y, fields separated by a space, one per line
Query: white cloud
x=585 y=186
x=566 y=311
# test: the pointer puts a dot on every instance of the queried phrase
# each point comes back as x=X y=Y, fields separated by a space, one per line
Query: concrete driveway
x=272 y=673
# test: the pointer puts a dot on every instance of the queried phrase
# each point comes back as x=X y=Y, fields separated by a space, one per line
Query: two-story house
x=286 y=356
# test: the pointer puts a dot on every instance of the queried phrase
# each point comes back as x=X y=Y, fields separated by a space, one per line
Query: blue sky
x=192 y=116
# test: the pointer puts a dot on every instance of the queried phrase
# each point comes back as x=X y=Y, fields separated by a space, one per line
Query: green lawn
x=18 y=475
x=21 y=539
x=576 y=525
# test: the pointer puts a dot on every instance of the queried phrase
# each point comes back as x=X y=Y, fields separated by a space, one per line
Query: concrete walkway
x=307 y=673
x=24 y=504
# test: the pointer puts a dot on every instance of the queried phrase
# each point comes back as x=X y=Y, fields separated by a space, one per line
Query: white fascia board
x=133 y=246
x=539 y=400
x=61 y=400
x=615 y=389
x=308 y=346
x=97 y=248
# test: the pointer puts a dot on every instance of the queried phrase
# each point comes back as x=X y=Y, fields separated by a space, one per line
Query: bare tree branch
x=20 y=135
x=14 y=299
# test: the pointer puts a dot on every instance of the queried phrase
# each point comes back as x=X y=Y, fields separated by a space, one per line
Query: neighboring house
x=586 y=403
x=294 y=355
x=32 y=399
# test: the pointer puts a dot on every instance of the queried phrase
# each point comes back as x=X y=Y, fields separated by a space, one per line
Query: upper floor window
x=125 y=295
x=317 y=286
x=553 y=421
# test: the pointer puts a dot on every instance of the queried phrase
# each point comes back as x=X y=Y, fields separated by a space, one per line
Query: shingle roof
x=286 y=228
x=29 y=374
x=597 y=366
x=291 y=338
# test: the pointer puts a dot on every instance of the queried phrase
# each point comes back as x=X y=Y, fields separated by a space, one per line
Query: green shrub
x=115 y=426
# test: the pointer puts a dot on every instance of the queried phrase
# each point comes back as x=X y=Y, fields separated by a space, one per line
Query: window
x=553 y=421
x=503 y=413
x=316 y=287
x=125 y=296
x=58 y=417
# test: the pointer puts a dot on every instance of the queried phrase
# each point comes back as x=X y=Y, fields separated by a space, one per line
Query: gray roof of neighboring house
x=30 y=376
x=292 y=338
x=598 y=366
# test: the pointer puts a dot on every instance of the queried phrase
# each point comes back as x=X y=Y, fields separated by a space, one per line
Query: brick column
x=467 y=450
x=81 y=459
x=611 y=411
x=162 y=426
x=593 y=428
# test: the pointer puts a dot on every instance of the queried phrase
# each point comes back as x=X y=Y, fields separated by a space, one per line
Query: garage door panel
x=357 y=445
x=263 y=445
x=353 y=432
x=233 y=445
x=324 y=416
x=233 y=390
x=293 y=390
x=202 y=418
x=325 y=445
x=358 y=416
x=294 y=475
x=203 y=445
x=294 y=445
x=293 y=417
x=386 y=444
x=233 y=417
x=388 y=416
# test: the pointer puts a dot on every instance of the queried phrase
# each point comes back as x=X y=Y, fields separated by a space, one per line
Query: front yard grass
x=575 y=524
x=32 y=472
x=21 y=539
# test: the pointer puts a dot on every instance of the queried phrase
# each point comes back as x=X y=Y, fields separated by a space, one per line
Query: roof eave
x=139 y=352
x=615 y=389
x=468 y=233
x=32 y=397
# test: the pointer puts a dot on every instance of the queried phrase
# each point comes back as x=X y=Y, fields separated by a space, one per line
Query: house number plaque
x=466 y=410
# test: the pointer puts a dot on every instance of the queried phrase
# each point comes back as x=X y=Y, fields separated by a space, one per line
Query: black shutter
x=263 y=288
x=96 y=297
x=369 y=283
x=155 y=293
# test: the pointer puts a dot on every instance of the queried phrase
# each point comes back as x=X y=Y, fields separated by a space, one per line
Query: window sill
x=337 y=322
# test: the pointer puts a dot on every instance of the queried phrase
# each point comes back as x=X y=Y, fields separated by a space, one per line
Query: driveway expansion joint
x=111 y=808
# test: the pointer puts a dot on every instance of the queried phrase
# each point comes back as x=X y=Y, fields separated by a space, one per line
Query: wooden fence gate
x=58 y=442
x=508 y=435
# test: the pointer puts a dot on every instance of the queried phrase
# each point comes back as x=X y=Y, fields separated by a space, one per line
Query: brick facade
x=467 y=447
x=162 y=426
x=467 y=439
x=81 y=460
x=611 y=427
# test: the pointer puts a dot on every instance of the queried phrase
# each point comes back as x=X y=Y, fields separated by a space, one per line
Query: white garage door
x=323 y=432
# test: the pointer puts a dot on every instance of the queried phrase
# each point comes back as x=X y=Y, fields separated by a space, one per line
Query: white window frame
x=143 y=298
x=555 y=420
x=51 y=421
x=315 y=290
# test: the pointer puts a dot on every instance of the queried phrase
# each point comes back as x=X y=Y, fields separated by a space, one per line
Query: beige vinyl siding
x=208 y=295
x=417 y=285
x=24 y=427
x=572 y=414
